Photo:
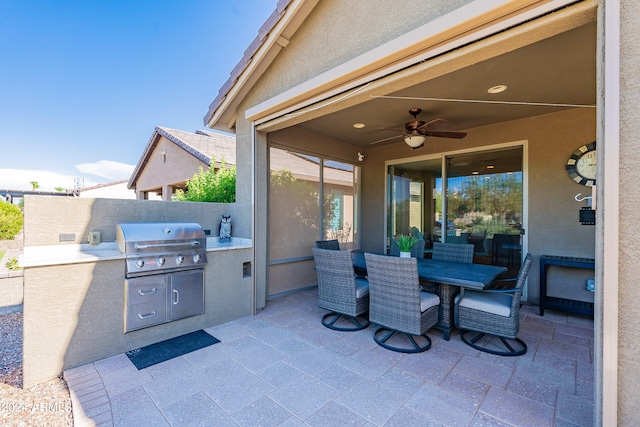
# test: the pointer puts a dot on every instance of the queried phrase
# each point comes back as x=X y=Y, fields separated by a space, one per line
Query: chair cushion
x=495 y=303
x=362 y=287
x=428 y=300
x=416 y=233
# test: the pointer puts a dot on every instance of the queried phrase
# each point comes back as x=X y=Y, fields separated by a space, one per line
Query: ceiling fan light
x=414 y=141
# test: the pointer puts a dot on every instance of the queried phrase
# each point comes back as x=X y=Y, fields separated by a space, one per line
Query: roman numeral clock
x=581 y=166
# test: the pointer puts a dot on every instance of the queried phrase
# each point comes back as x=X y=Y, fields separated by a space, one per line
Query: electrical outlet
x=94 y=237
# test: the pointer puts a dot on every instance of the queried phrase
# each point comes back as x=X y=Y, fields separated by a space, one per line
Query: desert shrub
x=210 y=186
x=10 y=221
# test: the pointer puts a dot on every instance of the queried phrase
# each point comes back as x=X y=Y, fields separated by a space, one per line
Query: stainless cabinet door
x=187 y=294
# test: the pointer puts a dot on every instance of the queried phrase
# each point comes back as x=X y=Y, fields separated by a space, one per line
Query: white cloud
x=103 y=171
x=19 y=179
x=113 y=171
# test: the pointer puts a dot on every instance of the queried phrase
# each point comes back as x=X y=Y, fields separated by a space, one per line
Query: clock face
x=582 y=167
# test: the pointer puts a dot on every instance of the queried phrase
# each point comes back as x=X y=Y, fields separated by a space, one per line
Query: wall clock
x=581 y=166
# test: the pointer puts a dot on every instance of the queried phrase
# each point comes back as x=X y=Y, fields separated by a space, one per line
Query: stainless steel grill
x=164 y=276
x=156 y=247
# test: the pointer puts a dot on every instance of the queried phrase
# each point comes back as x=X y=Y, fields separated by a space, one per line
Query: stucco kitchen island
x=74 y=296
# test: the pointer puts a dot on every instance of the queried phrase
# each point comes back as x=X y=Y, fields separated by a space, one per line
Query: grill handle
x=193 y=244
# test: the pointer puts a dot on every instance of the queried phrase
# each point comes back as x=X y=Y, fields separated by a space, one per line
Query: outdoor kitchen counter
x=39 y=256
x=74 y=303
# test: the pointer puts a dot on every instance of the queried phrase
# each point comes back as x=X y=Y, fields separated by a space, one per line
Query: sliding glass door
x=474 y=198
x=484 y=204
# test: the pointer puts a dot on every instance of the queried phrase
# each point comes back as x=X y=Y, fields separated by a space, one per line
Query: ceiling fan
x=416 y=131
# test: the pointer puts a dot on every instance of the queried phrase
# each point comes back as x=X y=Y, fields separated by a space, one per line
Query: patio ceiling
x=557 y=70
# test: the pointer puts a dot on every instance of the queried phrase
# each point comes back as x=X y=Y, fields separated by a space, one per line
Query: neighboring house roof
x=111 y=190
x=273 y=36
x=107 y=184
x=203 y=145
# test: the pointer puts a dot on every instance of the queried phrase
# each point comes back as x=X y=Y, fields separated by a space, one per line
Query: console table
x=563 y=304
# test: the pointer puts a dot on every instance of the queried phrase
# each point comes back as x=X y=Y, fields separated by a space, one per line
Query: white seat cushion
x=362 y=287
x=495 y=303
x=428 y=300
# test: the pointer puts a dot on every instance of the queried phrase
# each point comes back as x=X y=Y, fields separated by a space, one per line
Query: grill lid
x=153 y=237
x=153 y=248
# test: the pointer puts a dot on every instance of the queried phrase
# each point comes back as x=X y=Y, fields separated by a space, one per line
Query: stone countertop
x=40 y=256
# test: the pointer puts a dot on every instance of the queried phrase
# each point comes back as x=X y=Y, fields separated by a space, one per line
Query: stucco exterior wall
x=629 y=253
x=45 y=218
x=174 y=168
x=355 y=27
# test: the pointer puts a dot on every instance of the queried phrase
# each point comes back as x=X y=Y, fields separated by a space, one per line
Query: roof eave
x=273 y=36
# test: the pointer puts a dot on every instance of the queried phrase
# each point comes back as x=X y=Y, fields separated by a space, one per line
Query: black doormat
x=174 y=347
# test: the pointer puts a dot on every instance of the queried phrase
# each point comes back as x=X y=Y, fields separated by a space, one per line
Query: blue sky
x=84 y=83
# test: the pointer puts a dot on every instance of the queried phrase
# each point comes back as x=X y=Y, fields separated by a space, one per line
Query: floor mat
x=174 y=347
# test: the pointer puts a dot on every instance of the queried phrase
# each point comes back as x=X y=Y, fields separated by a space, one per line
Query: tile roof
x=248 y=56
x=203 y=145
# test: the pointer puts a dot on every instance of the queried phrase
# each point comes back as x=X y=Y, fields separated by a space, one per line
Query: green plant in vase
x=405 y=243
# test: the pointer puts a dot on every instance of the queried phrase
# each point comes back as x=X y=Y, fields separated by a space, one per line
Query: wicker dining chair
x=461 y=253
x=485 y=315
x=340 y=292
x=417 y=251
x=328 y=244
x=397 y=304
x=453 y=252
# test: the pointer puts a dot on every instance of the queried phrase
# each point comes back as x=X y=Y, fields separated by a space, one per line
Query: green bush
x=10 y=221
x=12 y=264
x=210 y=186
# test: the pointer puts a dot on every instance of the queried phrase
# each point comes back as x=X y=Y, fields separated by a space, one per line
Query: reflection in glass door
x=483 y=204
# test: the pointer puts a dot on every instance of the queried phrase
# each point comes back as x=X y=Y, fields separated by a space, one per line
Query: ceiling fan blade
x=385 y=139
x=434 y=124
x=445 y=134
x=393 y=129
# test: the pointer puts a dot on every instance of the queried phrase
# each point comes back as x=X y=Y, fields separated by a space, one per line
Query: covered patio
x=283 y=368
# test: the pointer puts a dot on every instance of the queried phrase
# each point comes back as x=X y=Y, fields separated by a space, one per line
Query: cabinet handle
x=146 y=316
x=176 y=296
x=152 y=291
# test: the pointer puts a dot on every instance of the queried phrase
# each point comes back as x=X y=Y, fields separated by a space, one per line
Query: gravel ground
x=46 y=404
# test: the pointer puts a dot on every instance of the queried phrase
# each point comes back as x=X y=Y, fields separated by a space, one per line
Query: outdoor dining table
x=448 y=278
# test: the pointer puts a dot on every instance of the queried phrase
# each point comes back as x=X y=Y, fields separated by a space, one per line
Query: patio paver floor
x=283 y=368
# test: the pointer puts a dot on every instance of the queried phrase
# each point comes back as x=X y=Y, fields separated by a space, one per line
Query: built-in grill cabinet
x=164 y=278
x=151 y=300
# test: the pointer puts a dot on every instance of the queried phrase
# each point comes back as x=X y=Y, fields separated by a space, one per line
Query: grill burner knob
x=179 y=259
x=140 y=263
x=161 y=261
x=197 y=258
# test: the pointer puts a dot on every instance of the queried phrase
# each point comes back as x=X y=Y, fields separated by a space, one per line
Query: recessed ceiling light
x=475 y=172
x=497 y=89
x=358 y=125
x=490 y=166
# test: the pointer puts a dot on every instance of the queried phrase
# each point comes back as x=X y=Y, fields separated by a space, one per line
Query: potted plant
x=405 y=243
